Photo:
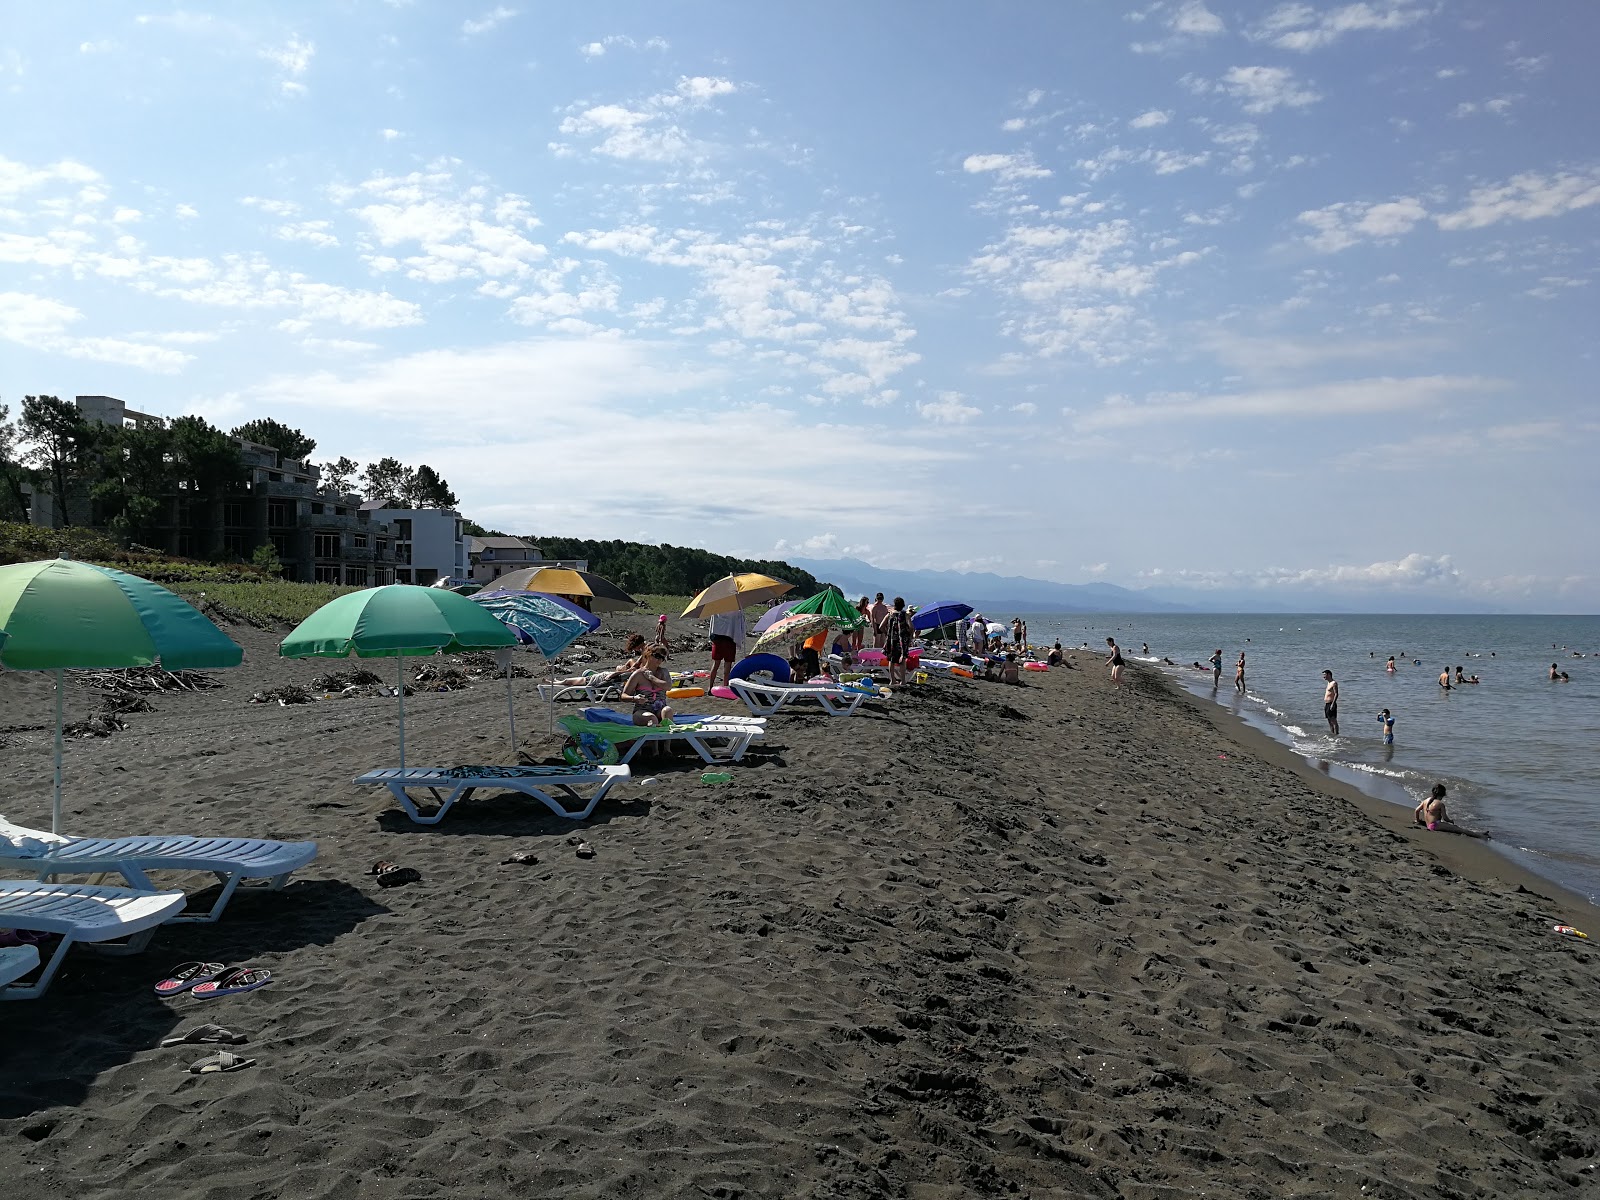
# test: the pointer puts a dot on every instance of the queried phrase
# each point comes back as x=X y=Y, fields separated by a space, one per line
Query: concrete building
x=492 y=557
x=429 y=542
x=318 y=536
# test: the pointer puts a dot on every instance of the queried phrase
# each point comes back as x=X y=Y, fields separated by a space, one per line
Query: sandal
x=222 y=1060
x=395 y=876
x=187 y=975
x=204 y=1034
x=233 y=981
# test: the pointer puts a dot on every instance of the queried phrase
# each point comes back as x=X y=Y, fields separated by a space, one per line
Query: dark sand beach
x=1058 y=940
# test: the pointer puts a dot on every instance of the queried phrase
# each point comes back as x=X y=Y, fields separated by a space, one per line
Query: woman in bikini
x=1432 y=813
x=646 y=690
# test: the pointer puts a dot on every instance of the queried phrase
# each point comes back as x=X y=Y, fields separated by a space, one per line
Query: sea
x=1519 y=754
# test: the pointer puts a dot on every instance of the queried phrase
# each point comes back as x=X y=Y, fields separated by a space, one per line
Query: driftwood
x=289 y=693
x=442 y=679
x=338 y=681
x=146 y=679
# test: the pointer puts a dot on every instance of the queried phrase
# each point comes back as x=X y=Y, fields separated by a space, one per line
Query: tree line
x=665 y=569
x=120 y=478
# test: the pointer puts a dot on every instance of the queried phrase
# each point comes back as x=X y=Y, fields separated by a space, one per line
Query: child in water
x=1387 y=722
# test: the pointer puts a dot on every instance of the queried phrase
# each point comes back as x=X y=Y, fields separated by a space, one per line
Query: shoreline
x=1471 y=857
x=1053 y=939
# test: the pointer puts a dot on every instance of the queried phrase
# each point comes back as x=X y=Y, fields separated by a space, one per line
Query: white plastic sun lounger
x=231 y=860
x=767 y=698
x=592 y=692
x=458 y=783
x=17 y=961
x=80 y=913
x=714 y=741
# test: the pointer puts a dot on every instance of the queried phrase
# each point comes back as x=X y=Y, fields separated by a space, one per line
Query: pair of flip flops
x=222 y=1060
x=207 y=981
x=390 y=875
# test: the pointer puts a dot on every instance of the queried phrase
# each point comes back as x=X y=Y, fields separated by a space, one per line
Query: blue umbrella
x=945 y=612
x=539 y=619
x=548 y=622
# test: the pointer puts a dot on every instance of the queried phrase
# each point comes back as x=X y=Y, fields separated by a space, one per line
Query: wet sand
x=1061 y=939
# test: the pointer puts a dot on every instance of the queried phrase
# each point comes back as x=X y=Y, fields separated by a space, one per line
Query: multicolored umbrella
x=537 y=619
x=796 y=627
x=594 y=592
x=773 y=615
x=734 y=592
x=61 y=615
x=399 y=621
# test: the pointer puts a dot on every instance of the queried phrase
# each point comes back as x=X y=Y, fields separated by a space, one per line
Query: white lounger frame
x=537 y=782
x=765 y=699
x=81 y=913
x=231 y=860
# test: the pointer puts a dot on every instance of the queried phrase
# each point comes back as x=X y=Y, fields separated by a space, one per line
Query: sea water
x=1519 y=754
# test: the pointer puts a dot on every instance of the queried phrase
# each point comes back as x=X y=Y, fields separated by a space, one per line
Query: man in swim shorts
x=727 y=632
x=1330 y=702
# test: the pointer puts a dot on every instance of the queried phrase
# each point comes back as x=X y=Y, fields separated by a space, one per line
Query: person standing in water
x=1390 y=666
x=1216 y=667
x=1330 y=702
x=1387 y=721
x=1238 y=674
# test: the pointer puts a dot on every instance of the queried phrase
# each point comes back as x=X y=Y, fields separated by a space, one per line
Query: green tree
x=290 y=443
x=134 y=476
x=58 y=439
x=388 y=479
x=266 y=557
x=427 y=489
x=13 y=471
x=473 y=529
x=339 y=476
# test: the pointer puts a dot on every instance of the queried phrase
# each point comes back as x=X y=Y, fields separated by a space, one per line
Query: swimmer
x=1238 y=673
x=1216 y=667
x=1444 y=679
x=1330 y=702
x=1432 y=814
x=1387 y=722
x=1555 y=672
x=1389 y=667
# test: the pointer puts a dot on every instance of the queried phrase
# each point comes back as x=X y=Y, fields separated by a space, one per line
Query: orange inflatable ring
x=684 y=693
x=1035 y=666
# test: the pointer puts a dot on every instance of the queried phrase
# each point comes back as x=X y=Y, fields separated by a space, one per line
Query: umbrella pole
x=400 y=690
x=55 y=804
x=511 y=711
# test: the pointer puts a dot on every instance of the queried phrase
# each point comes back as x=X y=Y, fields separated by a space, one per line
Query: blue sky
x=1268 y=296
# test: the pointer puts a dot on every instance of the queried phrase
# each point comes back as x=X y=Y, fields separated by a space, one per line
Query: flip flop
x=187 y=975
x=222 y=1060
x=233 y=981
x=204 y=1034
x=395 y=876
x=522 y=858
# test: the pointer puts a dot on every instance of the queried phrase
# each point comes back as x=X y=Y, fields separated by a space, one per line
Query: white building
x=492 y=557
x=429 y=543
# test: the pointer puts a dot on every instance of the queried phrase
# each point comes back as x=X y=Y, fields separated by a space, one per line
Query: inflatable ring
x=961 y=672
x=724 y=693
x=588 y=750
x=684 y=693
x=753 y=664
x=1035 y=666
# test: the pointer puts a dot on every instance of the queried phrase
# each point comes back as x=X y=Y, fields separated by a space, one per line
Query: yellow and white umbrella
x=733 y=592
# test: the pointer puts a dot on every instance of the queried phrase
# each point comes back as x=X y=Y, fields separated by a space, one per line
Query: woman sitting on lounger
x=646 y=690
x=606 y=676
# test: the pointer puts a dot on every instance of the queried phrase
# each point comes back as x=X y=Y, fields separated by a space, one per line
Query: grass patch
x=271 y=602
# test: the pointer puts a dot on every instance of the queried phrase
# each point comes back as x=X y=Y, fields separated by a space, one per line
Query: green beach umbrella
x=401 y=621
x=60 y=615
x=830 y=602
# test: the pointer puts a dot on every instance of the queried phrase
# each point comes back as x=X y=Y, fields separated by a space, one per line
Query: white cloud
x=1188 y=23
x=1527 y=197
x=293 y=58
x=389 y=135
x=1356 y=397
x=314 y=232
x=483 y=24
x=1096 y=569
x=1150 y=120
x=1299 y=26
x=42 y=323
x=703 y=87
x=1265 y=89
x=822 y=545
x=949 y=408
x=1008 y=167
x=1027 y=408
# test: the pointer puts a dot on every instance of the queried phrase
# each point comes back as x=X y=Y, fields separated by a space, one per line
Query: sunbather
x=646 y=689
x=610 y=675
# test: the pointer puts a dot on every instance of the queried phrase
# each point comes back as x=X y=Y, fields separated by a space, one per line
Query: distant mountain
x=1016 y=594
x=1010 y=593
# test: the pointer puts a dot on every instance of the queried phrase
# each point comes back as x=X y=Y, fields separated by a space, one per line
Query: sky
x=1272 y=297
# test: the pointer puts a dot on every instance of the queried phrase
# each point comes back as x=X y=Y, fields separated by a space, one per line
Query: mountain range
x=1017 y=594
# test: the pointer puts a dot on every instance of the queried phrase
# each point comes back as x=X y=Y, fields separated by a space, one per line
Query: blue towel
x=612 y=716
